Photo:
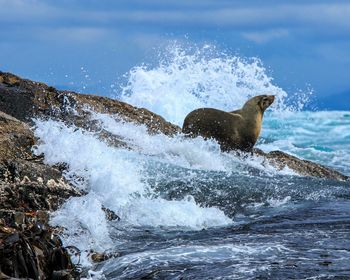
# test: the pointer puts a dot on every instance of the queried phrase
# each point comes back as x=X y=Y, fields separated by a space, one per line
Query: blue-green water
x=323 y=137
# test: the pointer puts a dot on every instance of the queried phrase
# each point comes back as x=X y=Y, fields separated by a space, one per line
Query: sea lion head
x=262 y=102
x=265 y=101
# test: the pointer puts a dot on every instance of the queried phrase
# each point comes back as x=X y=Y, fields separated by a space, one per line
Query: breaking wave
x=187 y=184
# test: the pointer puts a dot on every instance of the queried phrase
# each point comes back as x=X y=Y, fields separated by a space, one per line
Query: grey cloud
x=255 y=23
x=25 y=10
x=265 y=36
x=334 y=14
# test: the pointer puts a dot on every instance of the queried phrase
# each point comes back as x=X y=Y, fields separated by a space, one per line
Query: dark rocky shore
x=31 y=189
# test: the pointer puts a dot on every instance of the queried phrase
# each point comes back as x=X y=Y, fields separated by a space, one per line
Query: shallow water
x=189 y=211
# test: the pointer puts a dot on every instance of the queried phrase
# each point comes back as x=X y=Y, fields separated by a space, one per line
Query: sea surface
x=189 y=211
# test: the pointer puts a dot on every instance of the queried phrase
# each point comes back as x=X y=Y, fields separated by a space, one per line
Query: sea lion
x=236 y=130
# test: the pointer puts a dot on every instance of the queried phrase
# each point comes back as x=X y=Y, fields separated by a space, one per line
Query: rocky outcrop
x=16 y=138
x=26 y=183
x=29 y=249
x=30 y=189
x=25 y=99
x=281 y=160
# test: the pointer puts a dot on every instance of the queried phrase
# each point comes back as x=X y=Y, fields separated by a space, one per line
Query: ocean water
x=189 y=211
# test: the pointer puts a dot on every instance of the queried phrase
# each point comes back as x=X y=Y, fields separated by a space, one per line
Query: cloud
x=265 y=36
x=78 y=21
x=73 y=34
x=314 y=34
x=23 y=10
x=333 y=14
x=208 y=13
x=268 y=19
x=75 y=21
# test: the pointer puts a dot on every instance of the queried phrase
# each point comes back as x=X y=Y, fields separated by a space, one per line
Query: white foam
x=117 y=178
x=85 y=225
x=189 y=153
x=181 y=151
x=197 y=254
x=184 y=213
x=114 y=178
x=274 y=202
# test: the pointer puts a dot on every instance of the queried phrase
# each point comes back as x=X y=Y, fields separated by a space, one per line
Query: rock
x=96 y=257
x=110 y=215
x=26 y=183
x=281 y=160
x=28 y=190
x=16 y=138
x=33 y=254
x=24 y=99
x=34 y=196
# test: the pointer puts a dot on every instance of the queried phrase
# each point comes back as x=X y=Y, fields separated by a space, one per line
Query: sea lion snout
x=271 y=98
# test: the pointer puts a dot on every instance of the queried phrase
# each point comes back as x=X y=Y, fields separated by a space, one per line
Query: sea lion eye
x=264 y=103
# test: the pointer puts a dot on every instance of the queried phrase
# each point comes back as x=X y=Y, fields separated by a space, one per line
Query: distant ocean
x=189 y=211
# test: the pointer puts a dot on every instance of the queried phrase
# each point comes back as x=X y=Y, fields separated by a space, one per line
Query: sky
x=88 y=45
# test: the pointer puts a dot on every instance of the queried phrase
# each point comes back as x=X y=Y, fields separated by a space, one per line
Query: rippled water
x=189 y=211
x=295 y=242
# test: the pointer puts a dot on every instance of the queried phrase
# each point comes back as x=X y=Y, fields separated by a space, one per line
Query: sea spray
x=185 y=80
x=181 y=151
x=125 y=180
x=113 y=178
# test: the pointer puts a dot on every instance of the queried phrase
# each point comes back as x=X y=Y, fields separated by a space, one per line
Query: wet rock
x=23 y=196
x=96 y=257
x=325 y=263
x=282 y=160
x=110 y=215
x=32 y=254
x=29 y=248
x=26 y=183
x=28 y=190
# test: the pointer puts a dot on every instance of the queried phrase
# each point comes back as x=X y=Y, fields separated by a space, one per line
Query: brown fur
x=236 y=130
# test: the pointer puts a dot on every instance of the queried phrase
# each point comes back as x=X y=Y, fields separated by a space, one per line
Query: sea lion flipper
x=236 y=112
x=235 y=115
